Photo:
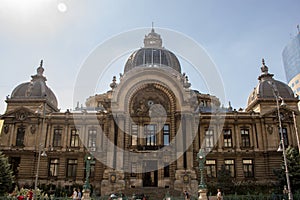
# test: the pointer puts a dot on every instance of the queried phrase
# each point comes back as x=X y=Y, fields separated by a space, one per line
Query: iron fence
x=227 y=197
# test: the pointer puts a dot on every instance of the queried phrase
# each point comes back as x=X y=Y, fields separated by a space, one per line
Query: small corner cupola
x=36 y=89
x=264 y=91
x=152 y=40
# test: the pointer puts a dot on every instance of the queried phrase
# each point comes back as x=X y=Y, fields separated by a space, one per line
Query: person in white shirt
x=219 y=195
x=74 y=195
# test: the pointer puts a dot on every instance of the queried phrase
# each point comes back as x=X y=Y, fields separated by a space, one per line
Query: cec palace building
x=146 y=130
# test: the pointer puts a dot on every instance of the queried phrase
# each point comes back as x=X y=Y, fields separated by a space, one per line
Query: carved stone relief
x=150 y=101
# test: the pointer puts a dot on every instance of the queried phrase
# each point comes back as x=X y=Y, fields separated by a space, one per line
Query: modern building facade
x=291 y=62
x=146 y=131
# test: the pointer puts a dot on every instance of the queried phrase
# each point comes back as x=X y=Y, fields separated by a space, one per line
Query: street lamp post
x=87 y=187
x=40 y=153
x=202 y=186
x=43 y=154
x=277 y=97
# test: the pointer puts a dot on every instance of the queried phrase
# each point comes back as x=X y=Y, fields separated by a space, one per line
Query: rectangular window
x=57 y=137
x=285 y=136
x=227 y=138
x=53 y=167
x=74 y=142
x=209 y=138
x=134 y=134
x=156 y=56
x=92 y=136
x=166 y=133
x=245 y=137
x=71 y=168
x=150 y=133
x=167 y=170
x=211 y=168
x=248 y=168
x=229 y=165
x=20 y=136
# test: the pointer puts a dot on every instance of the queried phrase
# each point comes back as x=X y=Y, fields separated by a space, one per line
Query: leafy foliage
x=294 y=167
x=6 y=175
x=230 y=186
x=293 y=163
x=225 y=180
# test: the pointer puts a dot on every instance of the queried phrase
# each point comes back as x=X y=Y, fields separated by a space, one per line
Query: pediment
x=19 y=114
x=285 y=113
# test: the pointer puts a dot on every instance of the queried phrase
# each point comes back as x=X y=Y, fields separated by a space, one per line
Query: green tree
x=293 y=163
x=225 y=181
x=294 y=167
x=6 y=175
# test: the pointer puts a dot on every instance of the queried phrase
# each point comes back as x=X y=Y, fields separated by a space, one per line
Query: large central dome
x=152 y=55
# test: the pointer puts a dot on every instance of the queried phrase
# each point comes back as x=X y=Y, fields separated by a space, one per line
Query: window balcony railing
x=147 y=147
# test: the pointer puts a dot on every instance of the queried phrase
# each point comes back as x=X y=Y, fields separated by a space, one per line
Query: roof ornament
x=264 y=68
x=186 y=83
x=229 y=106
x=265 y=75
x=152 y=30
x=113 y=85
x=40 y=69
x=39 y=73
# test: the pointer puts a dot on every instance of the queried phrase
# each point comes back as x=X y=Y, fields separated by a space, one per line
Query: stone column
x=219 y=138
x=141 y=136
x=83 y=133
x=110 y=143
x=189 y=140
x=260 y=131
x=120 y=144
x=179 y=144
x=237 y=135
x=13 y=135
x=254 y=138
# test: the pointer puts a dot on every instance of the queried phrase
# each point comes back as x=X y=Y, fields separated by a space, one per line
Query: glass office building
x=291 y=62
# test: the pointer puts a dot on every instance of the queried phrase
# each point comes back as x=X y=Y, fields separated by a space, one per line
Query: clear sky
x=236 y=34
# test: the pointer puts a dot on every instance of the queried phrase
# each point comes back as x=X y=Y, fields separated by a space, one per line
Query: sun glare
x=62 y=7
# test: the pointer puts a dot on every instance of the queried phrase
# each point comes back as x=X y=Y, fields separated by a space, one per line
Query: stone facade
x=146 y=131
